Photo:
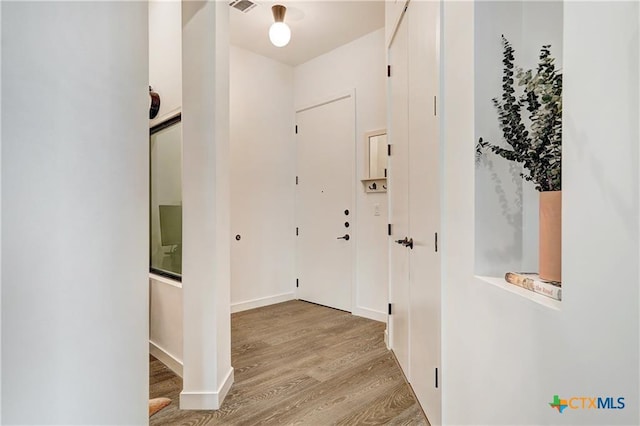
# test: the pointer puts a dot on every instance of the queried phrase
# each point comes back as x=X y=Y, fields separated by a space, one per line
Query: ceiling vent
x=243 y=6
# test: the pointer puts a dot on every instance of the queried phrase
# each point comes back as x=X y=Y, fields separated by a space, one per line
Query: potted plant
x=535 y=141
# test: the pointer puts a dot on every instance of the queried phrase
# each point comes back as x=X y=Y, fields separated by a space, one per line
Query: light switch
x=376 y=209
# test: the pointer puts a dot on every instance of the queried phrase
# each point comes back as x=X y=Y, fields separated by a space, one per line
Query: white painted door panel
x=398 y=198
x=424 y=205
x=414 y=197
x=324 y=193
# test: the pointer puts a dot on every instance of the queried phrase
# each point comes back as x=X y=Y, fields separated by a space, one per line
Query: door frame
x=318 y=102
x=393 y=319
x=388 y=43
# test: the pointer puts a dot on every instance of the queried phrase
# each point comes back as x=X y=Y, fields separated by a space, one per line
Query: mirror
x=165 y=245
x=376 y=144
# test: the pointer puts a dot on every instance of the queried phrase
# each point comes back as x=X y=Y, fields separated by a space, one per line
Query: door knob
x=409 y=243
x=344 y=237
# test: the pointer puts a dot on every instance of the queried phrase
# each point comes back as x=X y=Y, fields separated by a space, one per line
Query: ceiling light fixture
x=279 y=33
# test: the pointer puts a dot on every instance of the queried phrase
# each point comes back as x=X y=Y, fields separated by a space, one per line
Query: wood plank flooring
x=297 y=363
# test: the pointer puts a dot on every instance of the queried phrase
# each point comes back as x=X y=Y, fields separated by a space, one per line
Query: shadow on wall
x=511 y=209
x=608 y=193
x=190 y=8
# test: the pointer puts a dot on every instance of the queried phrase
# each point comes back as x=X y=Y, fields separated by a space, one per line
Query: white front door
x=325 y=193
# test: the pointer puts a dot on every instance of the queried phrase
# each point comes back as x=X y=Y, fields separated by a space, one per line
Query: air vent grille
x=243 y=6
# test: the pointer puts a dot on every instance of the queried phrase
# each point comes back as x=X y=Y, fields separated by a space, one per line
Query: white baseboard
x=370 y=313
x=258 y=303
x=386 y=338
x=166 y=358
x=207 y=400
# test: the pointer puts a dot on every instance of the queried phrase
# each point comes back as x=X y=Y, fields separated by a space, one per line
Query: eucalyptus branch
x=539 y=148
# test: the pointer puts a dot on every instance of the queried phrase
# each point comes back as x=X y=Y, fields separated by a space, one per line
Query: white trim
x=396 y=25
x=263 y=301
x=367 y=154
x=527 y=294
x=207 y=400
x=351 y=93
x=165 y=117
x=356 y=207
x=173 y=363
x=164 y=280
x=370 y=314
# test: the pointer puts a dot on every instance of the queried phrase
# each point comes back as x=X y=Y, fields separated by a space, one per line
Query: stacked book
x=533 y=283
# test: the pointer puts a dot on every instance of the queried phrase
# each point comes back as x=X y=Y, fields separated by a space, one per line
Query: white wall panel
x=75 y=167
x=165 y=55
x=262 y=180
x=500 y=343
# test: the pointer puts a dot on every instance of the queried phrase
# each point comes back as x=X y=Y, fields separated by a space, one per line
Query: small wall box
x=375 y=184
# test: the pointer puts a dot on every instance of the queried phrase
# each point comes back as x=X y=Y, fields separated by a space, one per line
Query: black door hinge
x=296 y=230
x=296 y=129
x=436 y=241
x=389 y=150
x=388 y=70
x=436 y=377
x=297 y=283
x=296 y=180
x=388 y=229
x=389 y=308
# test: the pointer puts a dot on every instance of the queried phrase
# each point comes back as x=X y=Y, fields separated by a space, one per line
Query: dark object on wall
x=155 y=103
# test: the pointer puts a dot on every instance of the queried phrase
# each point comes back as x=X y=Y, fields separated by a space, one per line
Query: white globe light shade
x=279 y=34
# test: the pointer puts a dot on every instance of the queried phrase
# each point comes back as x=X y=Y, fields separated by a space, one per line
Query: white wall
x=359 y=65
x=498 y=344
x=507 y=206
x=74 y=213
x=205 y=194
x=498 y=184
x=165 y=56
x=165 y=322
x=262 y=180
x=1 y=275
x=165 y=75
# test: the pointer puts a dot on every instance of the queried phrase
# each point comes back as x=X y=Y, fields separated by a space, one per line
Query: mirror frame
x=367 y=141
x=372 y=183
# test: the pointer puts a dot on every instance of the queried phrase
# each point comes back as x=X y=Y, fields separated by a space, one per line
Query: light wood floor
x=300 y=363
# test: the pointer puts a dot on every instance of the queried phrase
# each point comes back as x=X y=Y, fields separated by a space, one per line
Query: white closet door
x=424 y=206
x=399 y=197
x=414 y=196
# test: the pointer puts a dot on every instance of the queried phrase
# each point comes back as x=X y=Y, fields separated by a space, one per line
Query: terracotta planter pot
x=550 y=256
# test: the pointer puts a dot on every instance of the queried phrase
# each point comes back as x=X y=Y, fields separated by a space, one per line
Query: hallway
x=300 y=363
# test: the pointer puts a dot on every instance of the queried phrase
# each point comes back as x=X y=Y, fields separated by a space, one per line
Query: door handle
x=344 y=237
x=407 y=242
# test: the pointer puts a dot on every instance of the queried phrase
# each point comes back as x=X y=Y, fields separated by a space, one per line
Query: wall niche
x=506 y=205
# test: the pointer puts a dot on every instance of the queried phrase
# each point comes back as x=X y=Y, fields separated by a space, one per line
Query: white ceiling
x=317 y=27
